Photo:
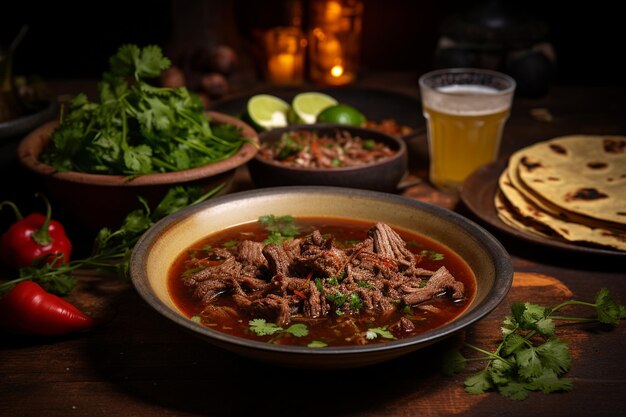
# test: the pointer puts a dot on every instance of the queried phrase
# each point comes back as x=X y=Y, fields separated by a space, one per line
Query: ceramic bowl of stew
x=320 y=277
x=329 y=155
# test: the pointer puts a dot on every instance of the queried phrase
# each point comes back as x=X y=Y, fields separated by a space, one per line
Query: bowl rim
x=11 y=129
x=31 y=146
x=502 y=263
x=401 y=153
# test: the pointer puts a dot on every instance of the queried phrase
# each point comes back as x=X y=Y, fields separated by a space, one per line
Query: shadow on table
x=155 y=362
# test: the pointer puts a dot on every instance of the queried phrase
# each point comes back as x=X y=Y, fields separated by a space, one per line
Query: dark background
x=74 y=40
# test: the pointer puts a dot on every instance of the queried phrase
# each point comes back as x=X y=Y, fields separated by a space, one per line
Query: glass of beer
x=465 y=110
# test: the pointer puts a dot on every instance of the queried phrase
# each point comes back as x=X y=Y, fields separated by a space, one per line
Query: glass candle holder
x=334 y=41
x=284 y=51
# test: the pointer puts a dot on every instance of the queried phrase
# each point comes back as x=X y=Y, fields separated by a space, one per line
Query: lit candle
x=336 y=71
x=282 y=68
x=329 y=53
x=285 y=55
x=334 y=40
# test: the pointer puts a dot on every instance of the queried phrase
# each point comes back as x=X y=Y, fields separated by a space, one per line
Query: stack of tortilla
x=570 y=188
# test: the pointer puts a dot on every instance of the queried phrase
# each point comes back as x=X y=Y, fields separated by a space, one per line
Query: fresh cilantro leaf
x=374 y=332
x=49 y=277
x=554 y=355
x=364 y=284
x=338 y=299
x=262 y=328
x=478 y=383
x=528 y=361
x=549 y=382
x=512 y=343
x=331 y=281
x=355 y=302
x=514 y=390
x=298 y=330
x=179 y=197
x=152 y=62
x=509 y=325
x=432 y=255
x=500 y=371
x=123 y=63
x=453 y=362
x=607 y=309
x=280 y=227
x=274 y=237
x=137 y=222
x=130 y=60
x=534 y=317
x=138 y=159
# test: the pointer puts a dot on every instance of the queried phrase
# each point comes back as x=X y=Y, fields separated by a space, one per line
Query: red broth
x=329 y=331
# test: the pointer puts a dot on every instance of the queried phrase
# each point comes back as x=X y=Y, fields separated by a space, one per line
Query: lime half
x=308 y=105
x=267 y=111
x=343 y=114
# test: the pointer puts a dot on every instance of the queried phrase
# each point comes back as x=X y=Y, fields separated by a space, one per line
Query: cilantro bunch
x=137 y=128
x=530 y=357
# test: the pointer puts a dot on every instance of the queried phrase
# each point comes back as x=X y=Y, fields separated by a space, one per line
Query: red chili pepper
x=29 y=310
x=34 y=237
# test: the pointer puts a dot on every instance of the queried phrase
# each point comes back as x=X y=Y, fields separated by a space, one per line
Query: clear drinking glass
x=466 y=110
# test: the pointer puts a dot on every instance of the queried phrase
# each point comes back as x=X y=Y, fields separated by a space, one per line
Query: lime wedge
x=343 y=114
x=267 y=111
x=308 y=105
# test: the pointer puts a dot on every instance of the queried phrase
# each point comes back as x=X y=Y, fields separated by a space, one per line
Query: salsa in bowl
x=329 y=155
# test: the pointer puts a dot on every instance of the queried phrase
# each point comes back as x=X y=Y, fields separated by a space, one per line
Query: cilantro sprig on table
x=136 y=128
x=112 y=248
x=530 y=356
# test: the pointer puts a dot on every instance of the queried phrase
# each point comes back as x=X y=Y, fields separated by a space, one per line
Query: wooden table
x=140 y=364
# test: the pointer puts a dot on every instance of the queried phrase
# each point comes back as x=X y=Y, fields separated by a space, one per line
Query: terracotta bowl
x=96 y=200
x=156 y=251
x=384 y=175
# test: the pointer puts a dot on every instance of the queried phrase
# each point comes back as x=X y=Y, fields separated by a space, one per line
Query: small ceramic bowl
x=383 y=175
x=96 y=200
x=157 y=250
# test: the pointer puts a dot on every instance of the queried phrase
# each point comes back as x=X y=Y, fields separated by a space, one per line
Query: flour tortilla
x=513 y=169
x=580 y=174
x=509 y=217
x=524 y=215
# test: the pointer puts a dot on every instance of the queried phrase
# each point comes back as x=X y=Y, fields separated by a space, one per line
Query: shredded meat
x=310 y=278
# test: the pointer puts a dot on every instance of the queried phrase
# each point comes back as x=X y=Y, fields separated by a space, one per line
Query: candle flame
x=336 y=71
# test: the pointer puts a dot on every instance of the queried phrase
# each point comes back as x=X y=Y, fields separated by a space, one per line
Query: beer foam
x=467 y=89
x=466 y=100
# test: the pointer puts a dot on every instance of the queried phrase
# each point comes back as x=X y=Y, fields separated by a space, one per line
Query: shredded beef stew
x=337 y=282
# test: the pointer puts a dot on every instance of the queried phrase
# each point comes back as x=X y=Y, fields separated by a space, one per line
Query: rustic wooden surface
x=139 y=364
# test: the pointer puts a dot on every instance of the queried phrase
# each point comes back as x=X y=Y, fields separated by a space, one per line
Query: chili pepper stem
x=11 y=204
x=42 y=235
